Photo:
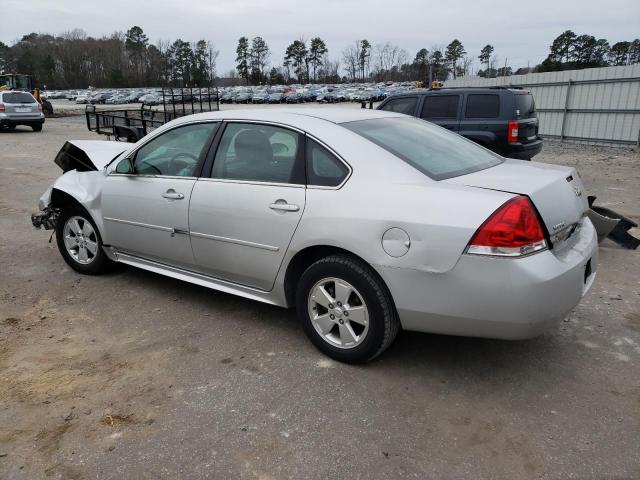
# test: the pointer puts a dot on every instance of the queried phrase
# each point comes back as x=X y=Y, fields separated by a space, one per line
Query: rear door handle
x=284 y=207
x=172 y=195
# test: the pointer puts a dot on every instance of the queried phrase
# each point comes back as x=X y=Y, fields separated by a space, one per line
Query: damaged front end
x=46 y=219
x=81 y=161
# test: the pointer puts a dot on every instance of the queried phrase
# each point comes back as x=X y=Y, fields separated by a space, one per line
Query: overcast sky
x=520 y=31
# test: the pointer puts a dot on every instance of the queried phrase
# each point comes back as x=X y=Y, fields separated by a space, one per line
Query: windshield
x=434 y=151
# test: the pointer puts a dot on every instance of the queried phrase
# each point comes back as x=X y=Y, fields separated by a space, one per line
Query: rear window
x=406 y=105
x=482 y=106
x=440 y=106
x=525 y=106
x=18 y=97
x=432 y=150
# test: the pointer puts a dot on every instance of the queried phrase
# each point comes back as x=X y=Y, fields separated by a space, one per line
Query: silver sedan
x=364 y=221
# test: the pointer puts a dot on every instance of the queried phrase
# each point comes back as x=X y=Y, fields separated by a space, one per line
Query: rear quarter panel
x=384 y=192
x=439 y=221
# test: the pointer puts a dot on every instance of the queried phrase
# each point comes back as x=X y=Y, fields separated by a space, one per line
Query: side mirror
x=125 y=166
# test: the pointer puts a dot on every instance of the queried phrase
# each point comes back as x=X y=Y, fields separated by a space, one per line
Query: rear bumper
x=13 y=121
x=523 y=151
x=497 y=297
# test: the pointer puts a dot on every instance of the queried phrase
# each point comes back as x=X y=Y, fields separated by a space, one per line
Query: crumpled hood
x=88 y=155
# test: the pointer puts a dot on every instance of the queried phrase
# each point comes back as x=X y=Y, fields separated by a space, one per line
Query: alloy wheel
x=338 y=313
x=80 y=240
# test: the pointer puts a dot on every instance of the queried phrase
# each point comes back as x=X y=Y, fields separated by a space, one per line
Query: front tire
x=345 y=309
x=79 y=242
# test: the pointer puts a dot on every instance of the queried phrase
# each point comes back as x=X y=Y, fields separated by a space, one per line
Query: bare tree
x=350 y=57
x=388 y=58
x=329 y=69
x=465 y=65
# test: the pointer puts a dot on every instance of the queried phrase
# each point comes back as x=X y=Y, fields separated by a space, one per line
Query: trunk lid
x=556 y=191
x=87 y=155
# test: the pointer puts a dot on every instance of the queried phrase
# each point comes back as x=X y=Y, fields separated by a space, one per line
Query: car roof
x=294 y=116
x=429 y=91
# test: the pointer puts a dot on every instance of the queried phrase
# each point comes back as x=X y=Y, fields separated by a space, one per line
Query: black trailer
x=130 y=125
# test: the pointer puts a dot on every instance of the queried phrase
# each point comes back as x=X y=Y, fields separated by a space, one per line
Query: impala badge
x=558 y=226
x=577 y=191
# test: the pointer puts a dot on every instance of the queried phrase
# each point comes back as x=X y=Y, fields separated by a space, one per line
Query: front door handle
x=282 y=206
x=172 y=195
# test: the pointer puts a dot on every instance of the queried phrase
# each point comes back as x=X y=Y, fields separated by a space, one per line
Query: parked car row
x=290 y=94
x=312 y=93
x=148 y=96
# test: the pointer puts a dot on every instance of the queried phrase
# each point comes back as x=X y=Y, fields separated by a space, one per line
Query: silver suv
x=20 y=108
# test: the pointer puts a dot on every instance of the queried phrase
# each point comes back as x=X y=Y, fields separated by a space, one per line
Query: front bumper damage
x=46 y=219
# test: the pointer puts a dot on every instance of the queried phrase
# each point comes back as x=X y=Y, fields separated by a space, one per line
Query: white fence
x=596 y=106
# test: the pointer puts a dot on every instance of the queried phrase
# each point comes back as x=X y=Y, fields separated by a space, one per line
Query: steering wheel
x=176 y=164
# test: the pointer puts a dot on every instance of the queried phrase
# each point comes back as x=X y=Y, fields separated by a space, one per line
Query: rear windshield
x=434 y=151
x=525 y=107
x=18 y=97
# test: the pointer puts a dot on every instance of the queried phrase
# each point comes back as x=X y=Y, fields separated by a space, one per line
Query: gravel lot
x=133 y=375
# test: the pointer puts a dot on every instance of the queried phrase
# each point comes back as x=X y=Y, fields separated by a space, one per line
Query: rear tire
x=37 y=128
x=345 y=309
x=79 y=242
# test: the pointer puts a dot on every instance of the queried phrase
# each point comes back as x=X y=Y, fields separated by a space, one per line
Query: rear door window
x=18 y=97
x=440 y=106
x=482 y=106
x=259 y=153
x=525 y=106
x=406 y=105
x=323 y=168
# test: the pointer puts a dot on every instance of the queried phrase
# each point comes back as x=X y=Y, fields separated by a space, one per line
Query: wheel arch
x=61 y=198
x=307 y=256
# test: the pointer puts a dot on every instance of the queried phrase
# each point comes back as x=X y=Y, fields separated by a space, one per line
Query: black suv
x=501 y=119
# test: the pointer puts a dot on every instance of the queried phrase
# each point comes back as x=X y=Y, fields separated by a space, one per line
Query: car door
x=145 y=200
x=442 y=109
x=242 y=217
x=483 y=121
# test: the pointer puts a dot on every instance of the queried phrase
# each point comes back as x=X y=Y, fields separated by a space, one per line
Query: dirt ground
x=133 y=375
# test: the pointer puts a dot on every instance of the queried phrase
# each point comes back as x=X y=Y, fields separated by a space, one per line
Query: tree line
x=76 y=60
x=570 y=51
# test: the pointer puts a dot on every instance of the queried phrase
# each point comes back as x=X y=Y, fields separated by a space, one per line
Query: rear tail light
x=2 y=108
x=513 y=230
x=512 y=131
